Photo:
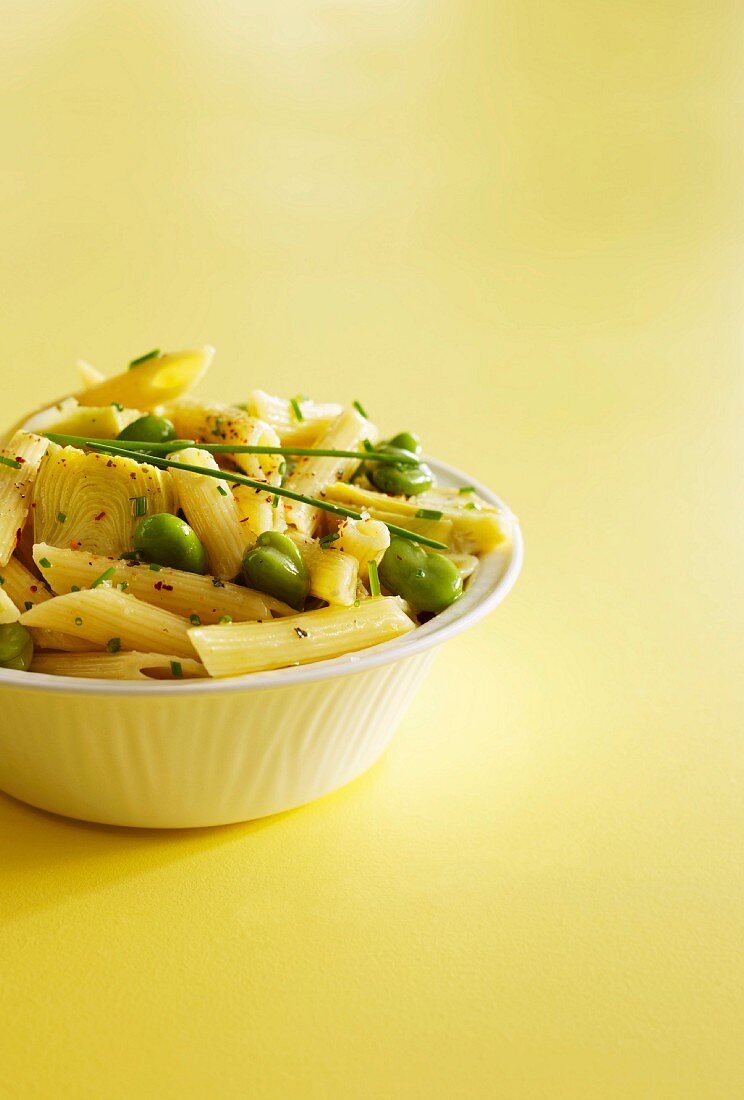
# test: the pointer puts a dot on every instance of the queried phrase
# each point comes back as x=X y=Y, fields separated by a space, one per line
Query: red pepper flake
x=18 y=536
x=33 y=588
x=75 y=544
x=20 y=459
x=162 y=586
x=100 y=515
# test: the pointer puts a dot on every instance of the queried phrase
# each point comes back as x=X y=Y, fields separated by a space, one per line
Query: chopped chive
x=117 y=406
x=155 y=567
x=113 y=645
x=2 y=580
x=78 y=621
x=428 y=513
x=61 y=517
x=106 y=575
x=241 y=405
x=282 y=468
x=45 y=563
x=194 y=620
x=143 y=358
x=132 y=556
x=360 y=409
x=28 y=605
x=374 y=578
x=369 y=447
x=467 y=489
x=222 y=490
x=217 y=582
x=357 y=603
x=74 y=588
x=275 y=501
x=472 y=506
x=177 y=669
x=139 y=506
x=226 y=620
x=329 y=538
x=296 y=408
x=9 y=462
x=123 y=586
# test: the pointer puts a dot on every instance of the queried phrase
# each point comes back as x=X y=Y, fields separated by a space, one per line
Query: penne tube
x=9 y=613
x=299 y=639
x=16 y=487
x=365 y=539
x=258 y=511
x=155 y=381
x=210 y=509
x=477 y=527
x=187 y=594
x=312 y=475
x=89 y=375
x=24 y=588
x=94 y=502
x=109 y=617
x=333 y=575
x=71 y=418
x=62 y=643
x=281 y=415
x=215 y=423
x=118 y=666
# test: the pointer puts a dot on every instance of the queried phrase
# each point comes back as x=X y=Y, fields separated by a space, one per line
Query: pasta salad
x=149 y=534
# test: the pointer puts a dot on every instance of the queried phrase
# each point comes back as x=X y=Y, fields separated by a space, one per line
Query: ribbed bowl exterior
x=170 y=762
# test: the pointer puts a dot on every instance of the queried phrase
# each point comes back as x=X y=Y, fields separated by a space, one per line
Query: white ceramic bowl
x=211 y=752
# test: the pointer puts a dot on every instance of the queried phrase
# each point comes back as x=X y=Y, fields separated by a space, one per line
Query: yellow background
x=516 y=227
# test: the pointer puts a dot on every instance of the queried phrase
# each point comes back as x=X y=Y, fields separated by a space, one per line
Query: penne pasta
x=312 y=475
x=154 y=381
x=71 y=418
x=89 y=375
x=364 y=539
x=227 y=424
x=112 y=618
x=299 y=639
x=9 y=613
x=211 y=511
x=258 y=511
x=16 y=486
x=189 y=595
x=60 y=642
x=282 y=416
x=118 y=666
x=23 y=587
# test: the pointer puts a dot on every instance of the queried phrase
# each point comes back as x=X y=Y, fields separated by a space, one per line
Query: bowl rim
x=491 y=584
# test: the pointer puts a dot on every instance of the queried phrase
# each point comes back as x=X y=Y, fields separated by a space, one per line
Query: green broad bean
x=149 y=429
x=407 y=441
x=402 y=479
x=16 y=646
x=275 y=566
x=429 y=582
x=164 y=539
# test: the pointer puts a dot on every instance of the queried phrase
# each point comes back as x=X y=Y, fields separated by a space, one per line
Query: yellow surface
x=516 y=227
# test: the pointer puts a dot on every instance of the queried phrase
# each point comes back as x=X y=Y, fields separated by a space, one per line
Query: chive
x=328 y=539
x=428 y=513
x=275 y=501
x=177 y=669
x=360 y=409
x=226 y=620
x=155 y=567
x=96 y=444
x=143 y=358
x=467 y=489
x=296 y=408
x=78 y=621
x=241 y=479
x=74 y=588
x=374 y=578
x=113 y=645
x=61 y=517
x=123 y=586
x=222 y=490
x=2 y=580
x=117 y=406
x=9 y=462
x=45 y=563
x=472 y=506
x=194 y=620
x=282 y=468
x=106 y=575
x=217 y=582
x=139 y=506
x=28 y=605
x=241 y=405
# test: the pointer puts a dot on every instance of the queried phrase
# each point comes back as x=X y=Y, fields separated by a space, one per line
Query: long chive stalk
x=236 y=448
x=242 y=479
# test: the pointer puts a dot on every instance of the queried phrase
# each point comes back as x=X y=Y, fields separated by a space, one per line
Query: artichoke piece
x=214 y=423
x=25 y=452
x=93 y=502
x=152 y=382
